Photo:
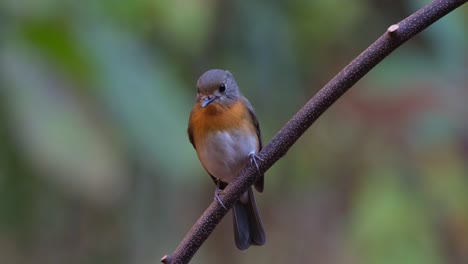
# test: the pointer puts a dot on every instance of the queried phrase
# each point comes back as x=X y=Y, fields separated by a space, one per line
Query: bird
x=224 y=130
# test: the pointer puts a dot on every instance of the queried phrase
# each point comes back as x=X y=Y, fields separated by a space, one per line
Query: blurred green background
x=96 y=167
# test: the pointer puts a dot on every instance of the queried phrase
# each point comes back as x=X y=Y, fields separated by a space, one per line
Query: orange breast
x=217 y=117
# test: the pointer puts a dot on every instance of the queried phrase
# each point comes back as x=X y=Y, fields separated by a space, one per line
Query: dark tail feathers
x=248 y=227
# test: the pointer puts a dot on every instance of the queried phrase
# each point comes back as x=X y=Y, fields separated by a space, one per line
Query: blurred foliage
x=96 y=167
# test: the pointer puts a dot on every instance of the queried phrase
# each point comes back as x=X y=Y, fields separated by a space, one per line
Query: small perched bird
x=224 y=130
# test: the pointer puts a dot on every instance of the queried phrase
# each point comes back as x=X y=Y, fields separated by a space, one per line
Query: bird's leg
x=216 y=196
x=253 y=160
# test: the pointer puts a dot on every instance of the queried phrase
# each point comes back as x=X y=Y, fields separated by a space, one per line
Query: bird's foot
x=253 y=160
x=217 y=198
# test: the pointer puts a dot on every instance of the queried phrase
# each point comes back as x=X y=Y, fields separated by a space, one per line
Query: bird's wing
x=190 y=131
x=190 y=136
x=260 y=182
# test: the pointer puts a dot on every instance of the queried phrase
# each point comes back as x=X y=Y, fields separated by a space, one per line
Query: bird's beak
x=208 y=100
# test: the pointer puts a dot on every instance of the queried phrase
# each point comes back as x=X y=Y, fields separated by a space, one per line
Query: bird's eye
x=222 y=88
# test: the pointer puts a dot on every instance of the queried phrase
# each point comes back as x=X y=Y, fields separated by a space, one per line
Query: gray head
x=217 y=86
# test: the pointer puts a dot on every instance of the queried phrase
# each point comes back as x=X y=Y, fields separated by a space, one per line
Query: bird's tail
x=248 y=227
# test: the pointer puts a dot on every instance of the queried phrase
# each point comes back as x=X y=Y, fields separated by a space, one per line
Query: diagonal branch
x=394 y=36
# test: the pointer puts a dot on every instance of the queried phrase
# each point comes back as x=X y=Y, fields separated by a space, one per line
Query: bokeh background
x=96 y=167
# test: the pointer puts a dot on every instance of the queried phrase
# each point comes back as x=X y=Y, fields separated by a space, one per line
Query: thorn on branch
x=393 y=28
x=166 y=259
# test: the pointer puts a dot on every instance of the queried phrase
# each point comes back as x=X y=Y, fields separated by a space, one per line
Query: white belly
x=224 y=154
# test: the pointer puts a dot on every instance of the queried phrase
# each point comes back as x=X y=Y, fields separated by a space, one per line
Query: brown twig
x=394 y=36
